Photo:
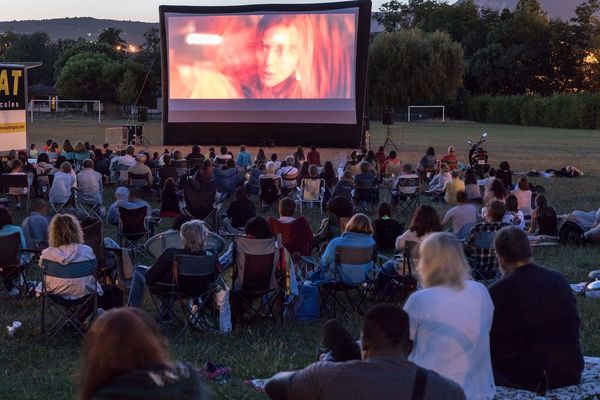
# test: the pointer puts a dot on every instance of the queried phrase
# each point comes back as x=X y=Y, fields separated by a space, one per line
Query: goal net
x=426 y=113
x=65 y=109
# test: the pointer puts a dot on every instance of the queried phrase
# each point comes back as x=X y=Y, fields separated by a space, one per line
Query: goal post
x=53 y=105
x=411 y=108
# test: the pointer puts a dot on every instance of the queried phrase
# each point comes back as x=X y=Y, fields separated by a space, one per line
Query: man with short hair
x=484 y=258
x=90 y=188
x=140 y=168
x=35 y=226
x=454 y=186
x=463 y=216
x=128 y=159
x=534 y=340
x=365 y=172
x=383 y=373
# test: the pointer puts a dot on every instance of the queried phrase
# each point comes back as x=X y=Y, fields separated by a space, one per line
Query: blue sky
x=137 y=10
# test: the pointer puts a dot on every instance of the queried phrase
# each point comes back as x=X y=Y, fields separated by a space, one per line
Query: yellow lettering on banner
x=16 y=74
x=4 y=82
x=12 y=127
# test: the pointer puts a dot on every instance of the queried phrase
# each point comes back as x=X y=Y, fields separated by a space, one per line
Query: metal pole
x=99 y=106
x=31 y=111
x=408 y=113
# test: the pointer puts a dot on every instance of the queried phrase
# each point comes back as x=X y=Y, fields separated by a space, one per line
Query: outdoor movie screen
x=262 y=67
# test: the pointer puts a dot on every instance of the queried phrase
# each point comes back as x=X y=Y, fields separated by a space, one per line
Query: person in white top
x=64 y=180
x=437 y=184
x=513 y=215
x=289 y=173
x=451 y=318
x=462 y=216
x=523 y=195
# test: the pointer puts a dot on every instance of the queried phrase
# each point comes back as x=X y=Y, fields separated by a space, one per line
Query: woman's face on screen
x=278 y=54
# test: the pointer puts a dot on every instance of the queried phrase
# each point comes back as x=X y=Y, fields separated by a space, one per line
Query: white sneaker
x=14 y=292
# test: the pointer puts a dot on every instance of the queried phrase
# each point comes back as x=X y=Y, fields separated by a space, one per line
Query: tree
x=112 y=37
x=70 y=48
x=6 y=40
x=410 y=66
x=149 y=58
x=36 y=46
x=85 y=76
x=127 y=92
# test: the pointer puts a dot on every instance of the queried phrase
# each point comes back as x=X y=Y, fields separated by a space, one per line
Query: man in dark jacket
x=534 y=340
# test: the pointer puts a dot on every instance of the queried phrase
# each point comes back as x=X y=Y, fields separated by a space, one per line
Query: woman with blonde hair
x=451 y=318
x=80 y=153
x=358 y=235
x=125 y=357
x=65 y=246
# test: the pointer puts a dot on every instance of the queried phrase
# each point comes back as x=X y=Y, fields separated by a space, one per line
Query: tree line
x=108 y=69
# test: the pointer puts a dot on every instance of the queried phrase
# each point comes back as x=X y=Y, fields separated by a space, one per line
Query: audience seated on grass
x=353 y=165
x=35 y=226
x=194 y=239
x=345 y=185
x=463 y=216
x=296 y=234
x=451 y=158
x=497 y=192
x=196 y=154
x=428 y=161
x=124 y=356
x=544 y=220
x=140 y=168
x=7 y=228
x=241 y=209
x=358 y=234
x=451 y=317
x=535 y=334
x=391 y=166
x=127 y=199
x=504 y=174
x=424 y=221
x=288 y=174
x=169 y=200
x=438 y=182
x=383 y=373
x=453 y=187
x=472 y=187
x=339 y=211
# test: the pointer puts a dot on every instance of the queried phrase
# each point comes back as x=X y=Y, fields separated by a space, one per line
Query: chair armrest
x=383 y=258
x=34 y=251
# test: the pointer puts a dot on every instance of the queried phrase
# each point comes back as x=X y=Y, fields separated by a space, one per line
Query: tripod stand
x=388 y=140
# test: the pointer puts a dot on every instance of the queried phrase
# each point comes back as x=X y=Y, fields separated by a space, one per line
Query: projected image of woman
x=284 y=58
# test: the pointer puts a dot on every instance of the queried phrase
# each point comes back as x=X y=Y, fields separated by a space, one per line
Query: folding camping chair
x=68 y=312
x=172 y=239
x=366 y=195
x=352 y=274
x=226 y=181
x=396 y=287
x=11 y=268
x=182 y=167
x=311 y=191
x=200 y=201
x=43 y=182
x=270 y=191
x=193 y=282
x=16 y=181
x=406 y=196
x=139 y=181
x=256 y=276
x=133 y=228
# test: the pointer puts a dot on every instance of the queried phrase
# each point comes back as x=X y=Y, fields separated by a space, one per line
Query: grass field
x=31 y=369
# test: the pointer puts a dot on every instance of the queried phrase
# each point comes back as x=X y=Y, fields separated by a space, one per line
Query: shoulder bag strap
x=420 y=384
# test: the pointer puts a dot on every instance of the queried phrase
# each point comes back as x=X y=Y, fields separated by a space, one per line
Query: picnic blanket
x=588 y=389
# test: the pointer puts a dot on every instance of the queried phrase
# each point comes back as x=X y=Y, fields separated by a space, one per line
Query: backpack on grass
x=570 y=234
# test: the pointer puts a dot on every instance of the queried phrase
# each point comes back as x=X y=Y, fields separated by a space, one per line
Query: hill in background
x=563 y=9
x=85 y=27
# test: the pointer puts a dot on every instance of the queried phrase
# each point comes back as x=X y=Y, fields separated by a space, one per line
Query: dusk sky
x=136 y=10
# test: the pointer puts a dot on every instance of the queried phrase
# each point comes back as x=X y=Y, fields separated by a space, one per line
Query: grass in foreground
x=31 y=369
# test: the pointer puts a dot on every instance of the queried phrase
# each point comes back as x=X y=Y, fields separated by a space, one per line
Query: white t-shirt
x=460 y=216
x=514 y=218
x=451 y=333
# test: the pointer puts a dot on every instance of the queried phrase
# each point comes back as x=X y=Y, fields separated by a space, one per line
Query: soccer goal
x=54 y=107
x=426 y=113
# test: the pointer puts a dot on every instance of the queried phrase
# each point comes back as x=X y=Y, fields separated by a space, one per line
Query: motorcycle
x=478 y=157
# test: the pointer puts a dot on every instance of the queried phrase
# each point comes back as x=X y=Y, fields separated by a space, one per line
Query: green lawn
x=30 y=369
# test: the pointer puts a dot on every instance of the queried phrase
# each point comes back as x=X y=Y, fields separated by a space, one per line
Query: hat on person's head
x=122 y=193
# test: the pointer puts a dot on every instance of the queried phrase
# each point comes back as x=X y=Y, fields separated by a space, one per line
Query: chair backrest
x=343 y=188
x=408 y=186
x=226 y=179
x=9 y=248
x=365 y=189
x=15 y=181
x=92 y=236
x=179 y=163
x=353 y=264
x=256 y=265
x=132 y=220
x=195 y=162
x=296 y=236
x=194 y=274
x=411 y=251
x=137 y=180
x=269 y=189
x=199 y=198
x=69 y=271
x=172 y=239
x=311 y=189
